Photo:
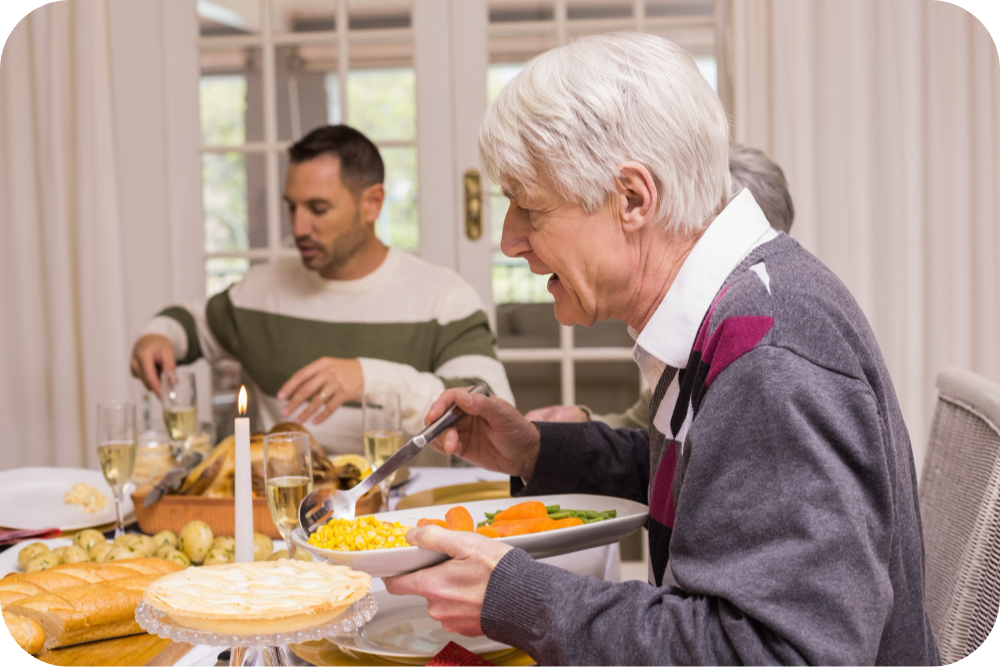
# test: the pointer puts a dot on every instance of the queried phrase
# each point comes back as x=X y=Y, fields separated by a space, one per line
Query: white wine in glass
x=178 y=391
x=287 y=479
x=116 y=449
x=181 y=423
x=382 y=432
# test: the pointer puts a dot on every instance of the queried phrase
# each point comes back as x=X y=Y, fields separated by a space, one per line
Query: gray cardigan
x=789 y=523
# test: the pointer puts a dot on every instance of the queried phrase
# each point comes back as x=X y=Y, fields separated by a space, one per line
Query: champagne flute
x=180 y=405
x=116 y=449
x=287 y=479
x=383 y=432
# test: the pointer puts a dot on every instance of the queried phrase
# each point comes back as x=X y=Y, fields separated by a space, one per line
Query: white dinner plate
x=402 y=629
x=8 y=558
x=32 y=499
x=390 y=562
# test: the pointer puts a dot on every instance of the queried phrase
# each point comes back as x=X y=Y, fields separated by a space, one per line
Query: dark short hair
x=361 y=165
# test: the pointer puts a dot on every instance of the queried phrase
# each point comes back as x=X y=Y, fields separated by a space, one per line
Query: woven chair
x=960 y=510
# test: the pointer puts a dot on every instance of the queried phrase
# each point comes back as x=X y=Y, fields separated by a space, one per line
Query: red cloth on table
x=453 y=654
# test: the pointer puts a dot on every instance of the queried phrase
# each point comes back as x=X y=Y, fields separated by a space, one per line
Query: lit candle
x=243 y=489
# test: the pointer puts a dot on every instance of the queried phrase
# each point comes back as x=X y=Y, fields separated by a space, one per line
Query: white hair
x=577 y=112
x=752 y=169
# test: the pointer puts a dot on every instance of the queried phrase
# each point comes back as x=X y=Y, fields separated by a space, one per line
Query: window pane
x=379 y=14
x=498 y=76
x=228 y=17
x=606 y=333
x=520 y=11
x=304 y=15
x=221 y=272
x=513 y=282
x=498 y=211
x=535 y=385
x=398 y=225
x=656 y=8
x=223 y=101
x=382 y=103
x=582 y=10
x=606 y=386
x=306 y=89
x=233 y=199
x=709 y=70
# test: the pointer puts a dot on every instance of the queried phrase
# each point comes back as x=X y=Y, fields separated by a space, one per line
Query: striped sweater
x=416 y=329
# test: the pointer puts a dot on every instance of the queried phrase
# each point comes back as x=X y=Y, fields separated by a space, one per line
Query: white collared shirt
x=668 y=337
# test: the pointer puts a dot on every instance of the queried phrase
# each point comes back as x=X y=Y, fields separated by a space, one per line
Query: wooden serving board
x=144 y=649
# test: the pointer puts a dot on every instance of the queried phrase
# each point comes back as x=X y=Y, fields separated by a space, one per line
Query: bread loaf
x=15 y=587
x=27 y=632
x=86 y=613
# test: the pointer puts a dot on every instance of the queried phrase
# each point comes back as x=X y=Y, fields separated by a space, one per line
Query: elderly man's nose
x=514 y=240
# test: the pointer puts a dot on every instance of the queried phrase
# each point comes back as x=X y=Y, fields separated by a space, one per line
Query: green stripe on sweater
x=186 y=320
x=272 y=347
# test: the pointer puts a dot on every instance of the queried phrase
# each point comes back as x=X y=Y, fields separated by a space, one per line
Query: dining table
x=422 y=486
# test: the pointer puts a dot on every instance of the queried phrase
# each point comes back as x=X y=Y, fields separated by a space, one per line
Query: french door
x=416 y=76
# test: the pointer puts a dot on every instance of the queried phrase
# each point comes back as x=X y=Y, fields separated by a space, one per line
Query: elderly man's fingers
x=455 y=543
x=441 y=404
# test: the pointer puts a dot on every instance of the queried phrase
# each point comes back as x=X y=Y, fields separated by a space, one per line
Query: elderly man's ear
x=637 y=197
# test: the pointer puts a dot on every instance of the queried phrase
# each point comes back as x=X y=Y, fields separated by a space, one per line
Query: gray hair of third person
x=752 y=169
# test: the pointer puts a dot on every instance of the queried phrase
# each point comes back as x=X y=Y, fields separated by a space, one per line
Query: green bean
x=551 y=508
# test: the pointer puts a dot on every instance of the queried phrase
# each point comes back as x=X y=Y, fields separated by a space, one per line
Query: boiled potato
x=145 y=544
x=196 y=540
x=262 y=546
x=59 y=551
x=122 y=553
x=223 y=542
x=162 y=552
x=177 y=557
x=86 y=539
x=278 y=555
x=75 y=554
x=32 y=550
x=126 y=540
x=43 y=562
x=165 y=537
x=219 y=556
x=99 y=551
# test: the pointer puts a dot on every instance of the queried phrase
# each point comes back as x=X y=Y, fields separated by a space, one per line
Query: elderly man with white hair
x=783 y=518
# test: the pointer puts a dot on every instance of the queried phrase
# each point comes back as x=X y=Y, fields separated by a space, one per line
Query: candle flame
x=243 y=400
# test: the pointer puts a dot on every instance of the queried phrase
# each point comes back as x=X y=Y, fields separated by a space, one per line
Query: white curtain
x=885 y=116
x=96 y=179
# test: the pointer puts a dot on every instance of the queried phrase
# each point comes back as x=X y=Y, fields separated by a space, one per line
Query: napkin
x=11 y=536
x=453 y=654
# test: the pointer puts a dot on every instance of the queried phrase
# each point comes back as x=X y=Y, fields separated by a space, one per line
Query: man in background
x=353 y=316
x=751 y=169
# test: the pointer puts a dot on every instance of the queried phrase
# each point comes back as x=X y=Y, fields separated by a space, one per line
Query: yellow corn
x=361 y=534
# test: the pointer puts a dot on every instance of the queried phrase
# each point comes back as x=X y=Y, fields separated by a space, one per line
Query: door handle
x=473 y=204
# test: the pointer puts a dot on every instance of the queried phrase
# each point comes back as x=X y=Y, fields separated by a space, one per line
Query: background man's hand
x=456 y=588
x=322 y=386
x=152 y=354
x=557 y=413
x=494 y=435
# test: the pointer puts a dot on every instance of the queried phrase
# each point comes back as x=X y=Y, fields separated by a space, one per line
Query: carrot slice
x=432 y=522
x=531 y=509
x=530 y=525
x=487 y=531
x=459 y=519
x=565 y=523
x=508 y=528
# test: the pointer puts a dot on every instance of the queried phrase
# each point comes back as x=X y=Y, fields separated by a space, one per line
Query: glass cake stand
x=245 y=649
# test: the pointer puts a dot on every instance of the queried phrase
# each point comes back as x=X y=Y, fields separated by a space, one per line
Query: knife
x=173 y=479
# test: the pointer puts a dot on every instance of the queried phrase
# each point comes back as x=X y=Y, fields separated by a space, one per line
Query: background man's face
x=325 y=216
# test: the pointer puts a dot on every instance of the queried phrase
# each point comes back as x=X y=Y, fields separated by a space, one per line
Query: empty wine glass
x=116 y=449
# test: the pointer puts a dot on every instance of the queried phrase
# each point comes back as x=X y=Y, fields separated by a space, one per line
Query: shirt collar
x=669 y=335
x=362 y=284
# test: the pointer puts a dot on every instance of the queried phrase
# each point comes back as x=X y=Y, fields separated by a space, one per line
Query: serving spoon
x=324 y=504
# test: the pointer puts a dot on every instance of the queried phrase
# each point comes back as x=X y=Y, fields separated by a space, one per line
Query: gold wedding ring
x=324 y=396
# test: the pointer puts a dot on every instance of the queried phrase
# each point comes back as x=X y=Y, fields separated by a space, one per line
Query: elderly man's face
x=581 y=250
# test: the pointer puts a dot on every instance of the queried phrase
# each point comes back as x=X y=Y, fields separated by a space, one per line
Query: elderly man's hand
x=494 y=435
x=557 y=413
x=456 y=588
x=322 y=386
x=152 y=354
